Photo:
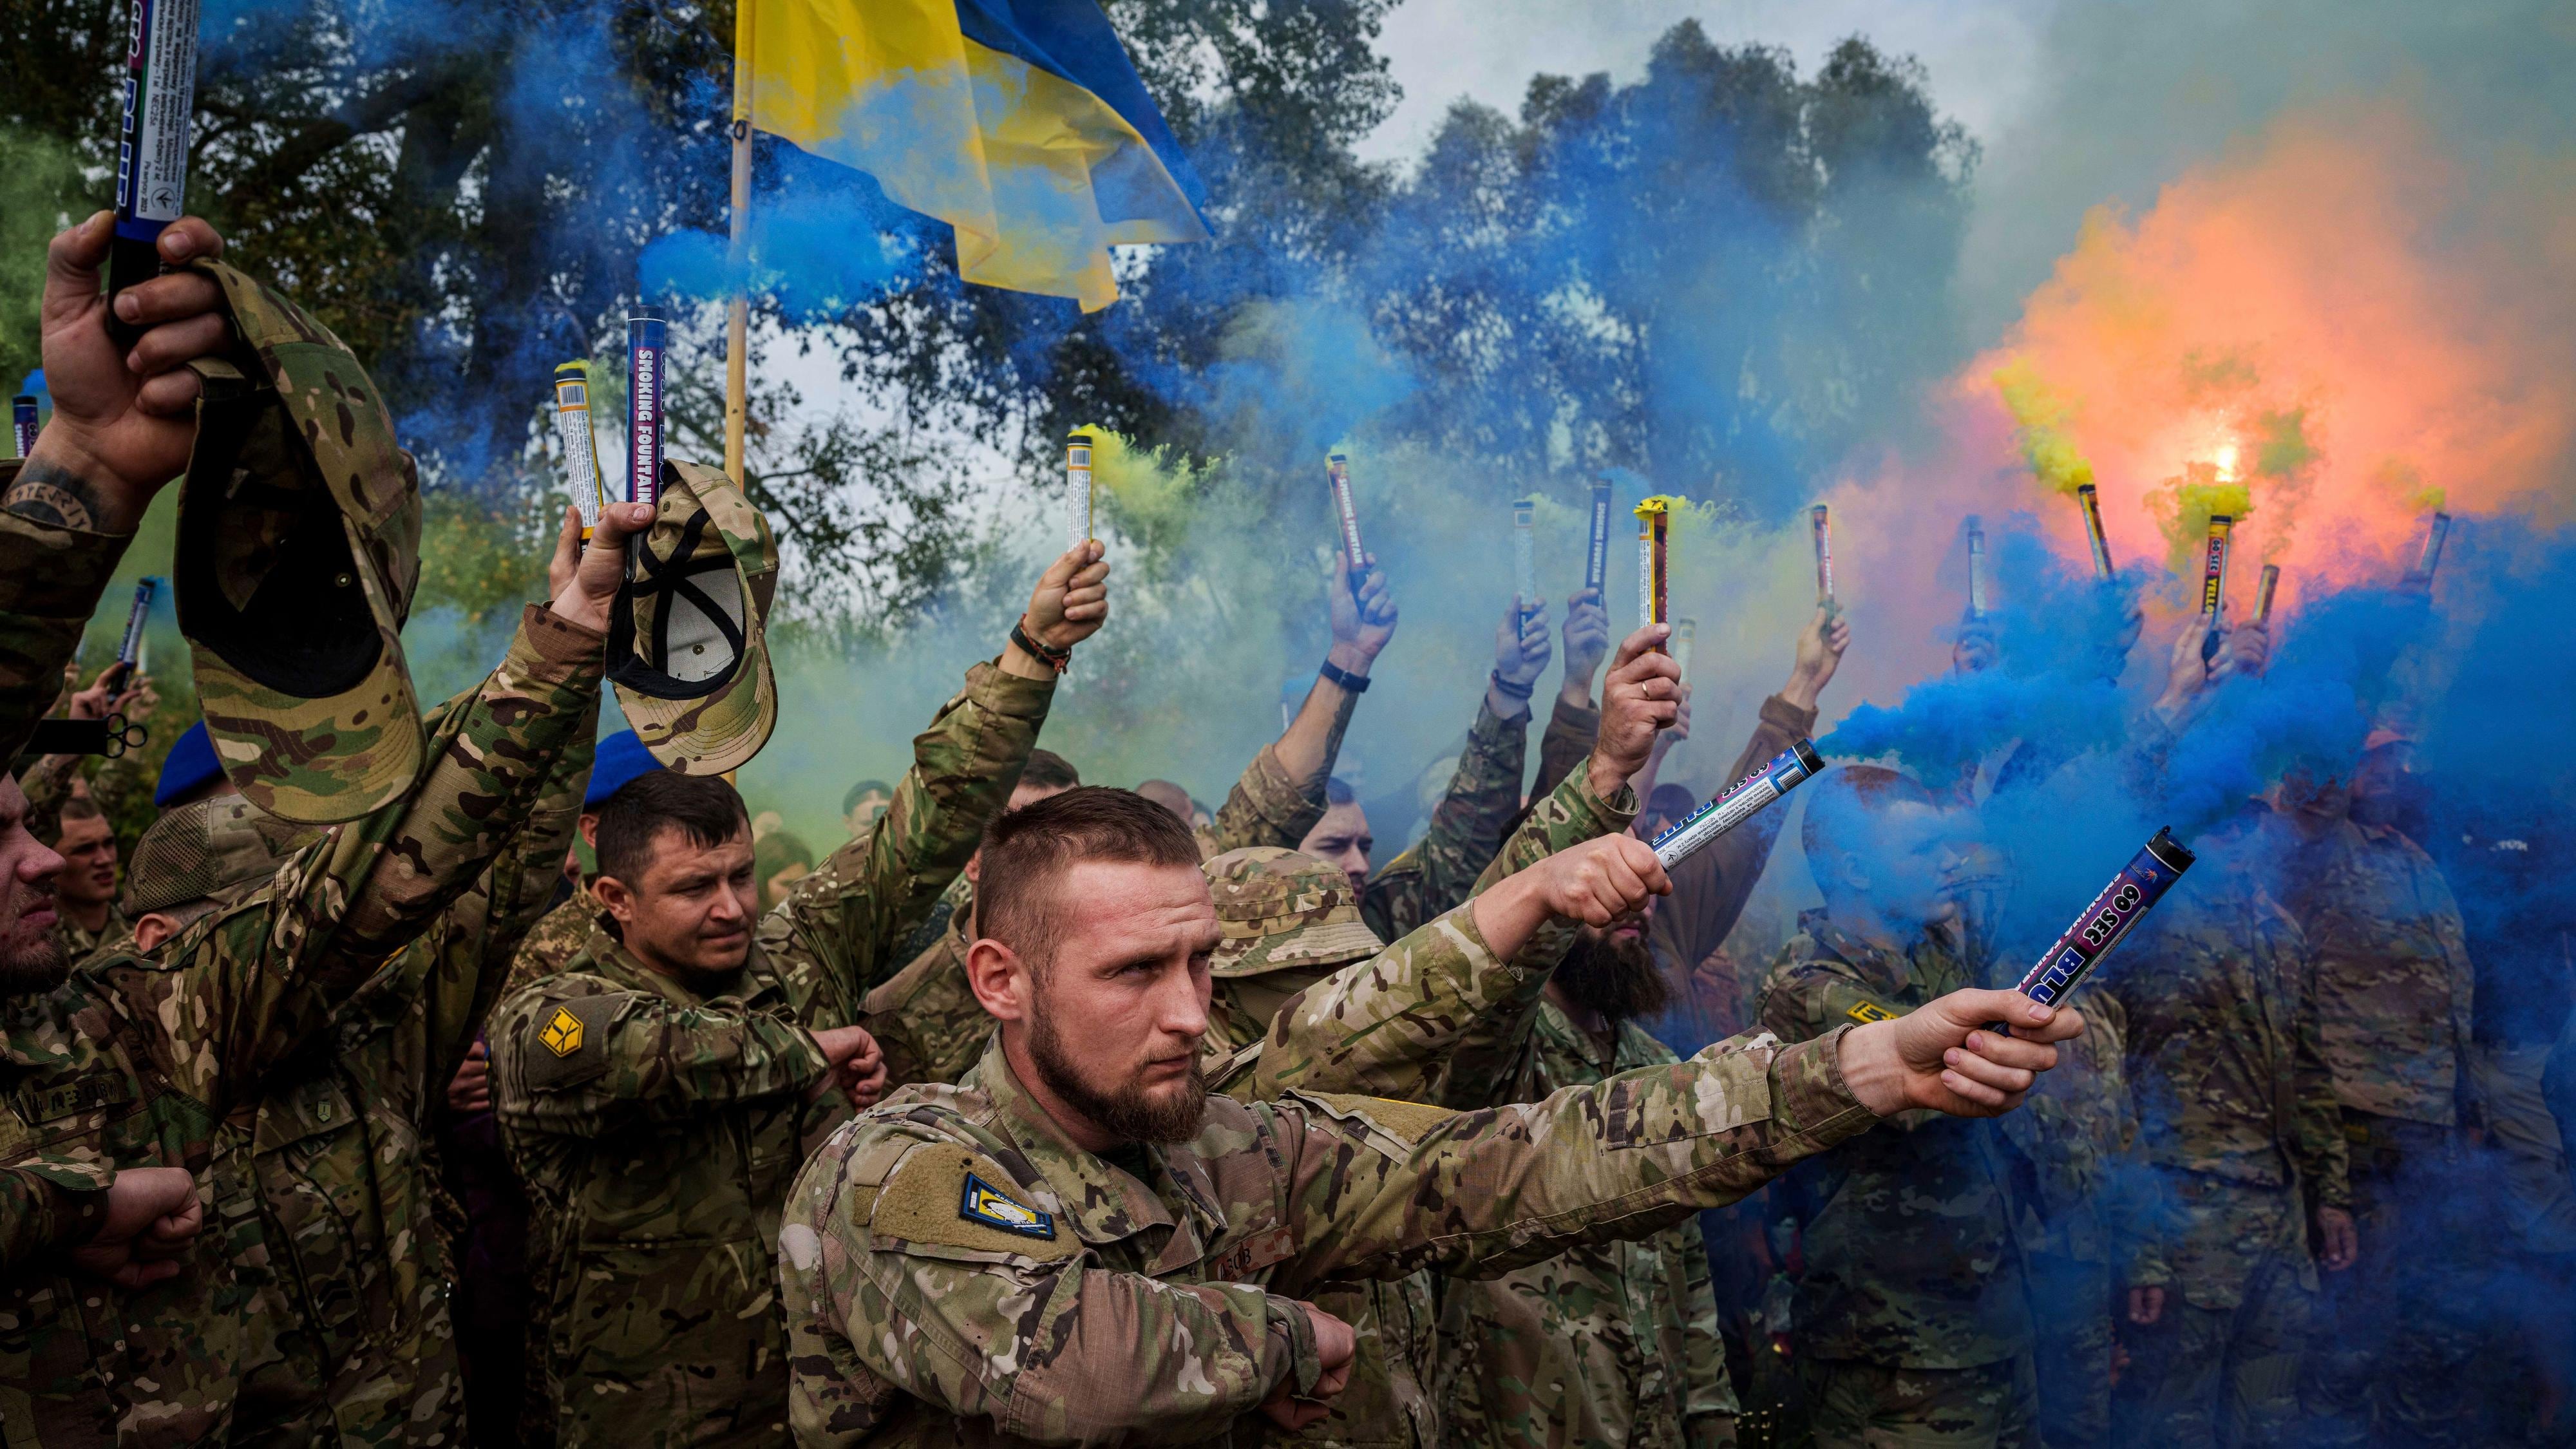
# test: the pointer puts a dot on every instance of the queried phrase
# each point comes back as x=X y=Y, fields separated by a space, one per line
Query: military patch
x=562 y=1033
x=88 y=1093
x=1869 y=1011
x=981 y=1202
x=1405 y=1122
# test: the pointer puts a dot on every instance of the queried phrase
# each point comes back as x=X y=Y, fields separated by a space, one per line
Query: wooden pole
x=738 y=310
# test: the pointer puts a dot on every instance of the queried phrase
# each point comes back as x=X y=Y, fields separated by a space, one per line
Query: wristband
x=1354 y=683
x=1516 y=691
x=1020 y=635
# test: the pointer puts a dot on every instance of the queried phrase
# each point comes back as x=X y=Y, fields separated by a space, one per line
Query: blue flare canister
x=2100 y=926
x=1793 y=767
x=646 y=360
x=151 y=143
x=1596 y=553
x=22 y=422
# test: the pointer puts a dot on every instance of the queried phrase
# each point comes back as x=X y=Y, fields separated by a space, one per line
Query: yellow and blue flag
x=1021 y=123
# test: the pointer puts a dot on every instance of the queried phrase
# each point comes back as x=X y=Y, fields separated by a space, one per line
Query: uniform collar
x=605 y=955
x=1102 y=1201
x=1890 y=971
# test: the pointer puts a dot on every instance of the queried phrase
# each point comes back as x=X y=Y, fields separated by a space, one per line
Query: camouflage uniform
x=657 y=1129
x=1467 y=827
x=48 y=783
x=2394 y=1003
x=1910 y=1322
x=928 y=1020
x=355 y=1277
x=2236 y=1116
x=556 y=938
x=143 y=1062
x=956 y=1272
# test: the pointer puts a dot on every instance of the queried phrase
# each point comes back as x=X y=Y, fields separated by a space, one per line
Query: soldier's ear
x=614 y=897
x=975 y=867
x=151 y=930
x=999 y=979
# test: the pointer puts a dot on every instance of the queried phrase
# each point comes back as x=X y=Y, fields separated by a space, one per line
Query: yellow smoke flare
x=2040 y=422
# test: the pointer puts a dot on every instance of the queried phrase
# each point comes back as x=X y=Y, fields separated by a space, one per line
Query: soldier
x=926 y=1016
x=658 y=1091
x=64 y=812
x=2395 y=998
x=1085 y=1246
x=136 y=1063
x=1910 y=1319
x=865 y=801
x=2236 y=1113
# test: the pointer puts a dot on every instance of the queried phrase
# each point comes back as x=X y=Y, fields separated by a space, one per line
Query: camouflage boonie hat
x=206 y=849
x=1277 y=909
x=684 y=638
x=299 y=546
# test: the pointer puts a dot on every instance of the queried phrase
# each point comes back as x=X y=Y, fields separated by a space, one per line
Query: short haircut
x=1168 y=795
x=1337 y=791
x=778 y=850
x=863 y=790
x=1029 y=850
x=704 y=808
x=80 y=807
x=1047 y=770
x=1843 y=801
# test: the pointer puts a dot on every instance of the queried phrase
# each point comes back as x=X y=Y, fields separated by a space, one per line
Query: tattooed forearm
x=50 y=493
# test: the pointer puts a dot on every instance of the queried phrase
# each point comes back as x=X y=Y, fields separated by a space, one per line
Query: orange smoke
x=2341 y=318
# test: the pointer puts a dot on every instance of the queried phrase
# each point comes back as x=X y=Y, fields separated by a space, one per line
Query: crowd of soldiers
x=459 y=1076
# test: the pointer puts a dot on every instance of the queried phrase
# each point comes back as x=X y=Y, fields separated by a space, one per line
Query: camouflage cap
x=206 y=849
x=1276 y=909
x=684 y=637
x=299 y=546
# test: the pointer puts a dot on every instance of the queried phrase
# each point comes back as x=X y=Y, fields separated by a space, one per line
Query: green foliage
x=38 y=190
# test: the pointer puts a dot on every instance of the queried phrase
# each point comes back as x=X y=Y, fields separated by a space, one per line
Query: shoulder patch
x=566 y=1041
x=1868 y=1011
x=947 y=1195
x=1406 y=1122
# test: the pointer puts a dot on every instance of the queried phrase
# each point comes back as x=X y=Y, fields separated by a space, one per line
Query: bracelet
x=1516 y=691
x=1021 y=636
x=1334 y=674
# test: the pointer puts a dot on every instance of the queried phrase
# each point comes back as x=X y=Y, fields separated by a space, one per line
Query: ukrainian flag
x=1020 y=123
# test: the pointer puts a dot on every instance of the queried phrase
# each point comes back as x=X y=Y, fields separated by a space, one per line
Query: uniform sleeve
x=1706 y=1391
x=843 y=923
x=1466 y=830
x=1380 y=1189
x=2318 y=1148
x=577 y=1057
x=1565 y=744
x=1393 y=1025
x=886 y=1287
x=1268 y=806
x=51 y=580
x=1710 y=888
x=1565 y=817
x=254 y=984
x=48 y=1204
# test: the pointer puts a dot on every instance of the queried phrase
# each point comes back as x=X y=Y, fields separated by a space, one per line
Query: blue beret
x=621 y=758
x=191 y=763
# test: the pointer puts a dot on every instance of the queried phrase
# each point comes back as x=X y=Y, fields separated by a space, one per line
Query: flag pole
x=738 y=309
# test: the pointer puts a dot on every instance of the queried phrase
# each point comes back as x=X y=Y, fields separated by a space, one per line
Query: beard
x=1614 y=975
x=33 y=969
x=1127 y=1112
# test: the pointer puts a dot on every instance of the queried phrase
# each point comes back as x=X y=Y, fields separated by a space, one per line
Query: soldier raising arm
x=1085 y=1245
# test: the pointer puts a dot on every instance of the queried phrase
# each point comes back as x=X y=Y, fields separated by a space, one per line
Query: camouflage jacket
x=2219 y=996
x=1467 y=827
x=1614 y=1343
x=956 y=1271
x=2394 y=988
x=2076 y=1129
x=140 y=1062
x=351 y=1335
x=928 y=1020
x=79 y=943
x=1710 y=889
x=556 y=938
x=1911 y=1254
x=50 y=582
x=657 y=1128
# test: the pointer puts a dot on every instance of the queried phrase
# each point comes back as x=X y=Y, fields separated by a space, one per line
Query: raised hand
x=1587 y=639
x=1941 y=1056
x=1641 y=697
x=1362 y=621
x=1521 y=652
x=1820 y=653
x=584 y=596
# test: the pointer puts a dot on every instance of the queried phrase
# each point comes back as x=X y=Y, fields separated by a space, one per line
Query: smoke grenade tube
x=129 y=649
x=151 y=143
x=1077 y=490
x=2436 y=529
x=2213 y=583
x=1793 y=767
x=1654 y=561
x=582 y=477
x=2122 y=904
x=1596 y=556
x=1524 y=555
x=646 y=361
x=1685 y=634
x=1337 y=472
x=2091 y=502
x=1818 y=521
x=1976 y=569
x=2264 y=589
x=22 y=422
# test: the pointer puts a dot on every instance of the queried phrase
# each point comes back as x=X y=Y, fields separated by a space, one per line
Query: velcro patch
x=981 y=1202
x=38 y=1103
x=561 y=1033
x=567 y=1041
x=1869 y=1011
x=932 y=1199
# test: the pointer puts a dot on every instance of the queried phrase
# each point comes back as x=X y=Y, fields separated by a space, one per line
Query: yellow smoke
x=2184 y=505
x=2040 y=422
